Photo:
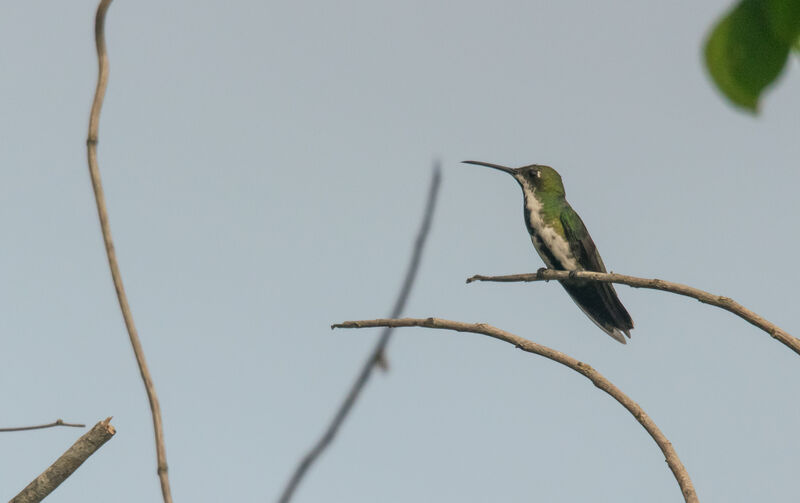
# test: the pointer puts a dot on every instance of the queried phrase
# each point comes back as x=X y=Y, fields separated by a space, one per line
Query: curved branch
x=725 y=303
x=65 y=465
x=57 y=422
x=678 y=470
x=102 y=212
x=376 y=356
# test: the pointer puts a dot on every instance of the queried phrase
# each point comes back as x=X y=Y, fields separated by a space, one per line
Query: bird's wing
x=581 y=244
x=598 y=300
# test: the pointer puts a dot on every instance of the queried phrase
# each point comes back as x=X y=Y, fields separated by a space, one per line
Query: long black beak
x=510 y=171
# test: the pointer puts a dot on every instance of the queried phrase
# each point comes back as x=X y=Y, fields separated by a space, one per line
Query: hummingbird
x=563 y=242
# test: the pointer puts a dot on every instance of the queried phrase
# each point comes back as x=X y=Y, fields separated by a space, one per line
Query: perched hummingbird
x=561 y=239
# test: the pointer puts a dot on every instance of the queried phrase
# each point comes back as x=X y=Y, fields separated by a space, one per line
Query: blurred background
x=266 y=166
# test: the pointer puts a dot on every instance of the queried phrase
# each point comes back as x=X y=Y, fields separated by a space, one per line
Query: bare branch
x=64 y=466
x=725 y=303
x=377 y=356
x=678 y=470
x=94 y=171
x=57 y=422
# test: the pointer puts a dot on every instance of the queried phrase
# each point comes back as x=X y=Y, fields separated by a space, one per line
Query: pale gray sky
x=266 y=164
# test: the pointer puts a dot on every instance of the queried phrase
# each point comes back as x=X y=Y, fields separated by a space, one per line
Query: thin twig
x=725 y=303
x=376 y=356
x=678 y=470
x=57 y=422
x=94 y=171
x=64 y=466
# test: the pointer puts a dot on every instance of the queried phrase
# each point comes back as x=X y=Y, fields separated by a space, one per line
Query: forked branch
x=725 y=303
x=116 y=275
x=678 y=470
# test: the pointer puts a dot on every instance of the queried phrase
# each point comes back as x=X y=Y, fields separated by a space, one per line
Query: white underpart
x=556 y=244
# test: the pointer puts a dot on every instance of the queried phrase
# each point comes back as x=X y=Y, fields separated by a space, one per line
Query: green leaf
x=748 y=48
x=784 y=18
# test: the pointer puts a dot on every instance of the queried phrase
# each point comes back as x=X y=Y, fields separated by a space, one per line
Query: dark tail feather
x=600 y=303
